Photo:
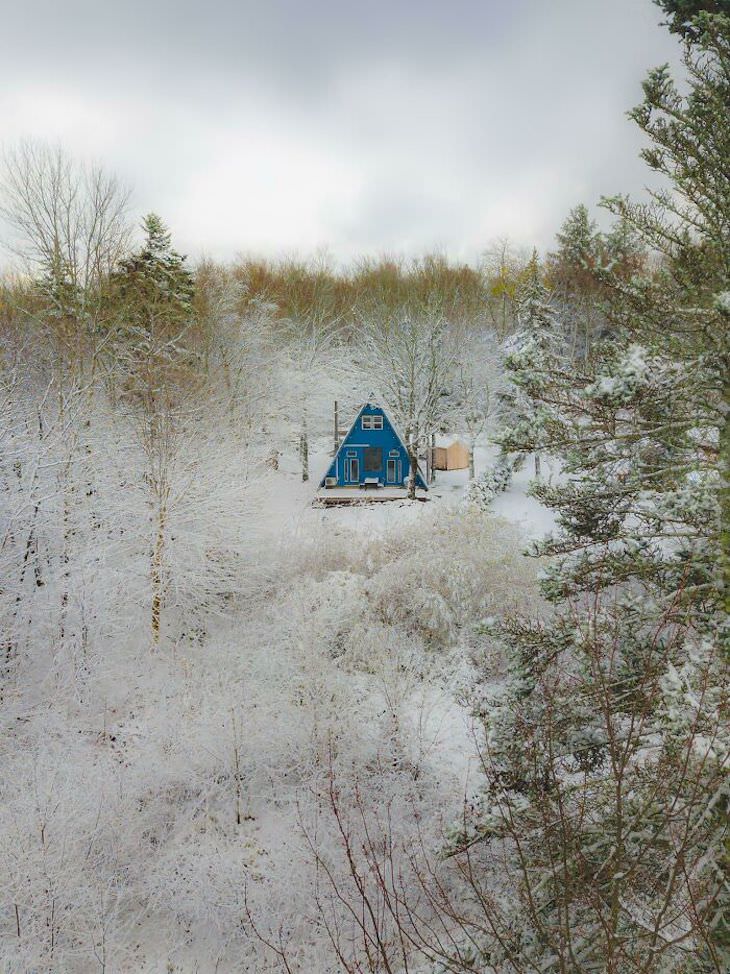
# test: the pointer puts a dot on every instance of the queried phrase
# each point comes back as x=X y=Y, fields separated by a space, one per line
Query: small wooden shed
x=452 y=456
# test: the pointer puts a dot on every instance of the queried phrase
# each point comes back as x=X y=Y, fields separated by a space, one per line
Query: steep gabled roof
x=372 y=404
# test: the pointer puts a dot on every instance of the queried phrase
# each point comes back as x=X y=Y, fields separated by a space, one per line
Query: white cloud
x=391 y=126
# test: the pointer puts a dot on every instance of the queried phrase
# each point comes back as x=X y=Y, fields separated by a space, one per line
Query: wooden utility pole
x=337 y=429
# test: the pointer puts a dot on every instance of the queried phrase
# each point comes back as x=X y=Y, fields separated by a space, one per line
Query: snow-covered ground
x=292 y=516
x=289 y=503
x=200 y=775
x=387 y=690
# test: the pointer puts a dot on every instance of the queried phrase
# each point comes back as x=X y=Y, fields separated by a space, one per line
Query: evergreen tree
x=154 y=282
x=152 y=293
x=624 y=255
x=572 y=274
x=536 y=350
x=684 y=13
x=577 y=271
x=578 y=244
x=606 y=752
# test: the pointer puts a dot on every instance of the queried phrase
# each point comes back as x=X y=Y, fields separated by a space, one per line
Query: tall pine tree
x=606 y=751
x=538 y=352
x=152 y=294
x=537 y=349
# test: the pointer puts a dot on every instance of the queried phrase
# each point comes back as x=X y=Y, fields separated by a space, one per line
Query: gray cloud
x=383 y=126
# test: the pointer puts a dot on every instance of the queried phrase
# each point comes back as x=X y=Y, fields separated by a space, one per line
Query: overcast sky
x=359 y=126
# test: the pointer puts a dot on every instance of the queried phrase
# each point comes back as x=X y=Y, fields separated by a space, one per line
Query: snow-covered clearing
x=289 y=504
x=380 y=688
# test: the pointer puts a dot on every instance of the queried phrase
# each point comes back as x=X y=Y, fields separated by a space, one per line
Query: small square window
x=377 y=422
x=367 y=422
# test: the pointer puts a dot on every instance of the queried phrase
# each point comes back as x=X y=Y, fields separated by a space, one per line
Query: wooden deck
x=342 y=496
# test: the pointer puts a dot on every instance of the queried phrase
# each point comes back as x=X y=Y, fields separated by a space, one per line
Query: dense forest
x=240 y=733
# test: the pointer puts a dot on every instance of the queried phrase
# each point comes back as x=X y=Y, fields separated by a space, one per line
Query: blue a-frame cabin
x=371 y=455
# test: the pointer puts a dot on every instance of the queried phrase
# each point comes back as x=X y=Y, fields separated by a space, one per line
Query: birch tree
x=477 y=382
x=310 y=366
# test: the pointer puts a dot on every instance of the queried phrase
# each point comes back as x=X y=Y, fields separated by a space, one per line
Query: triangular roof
x=372 y=404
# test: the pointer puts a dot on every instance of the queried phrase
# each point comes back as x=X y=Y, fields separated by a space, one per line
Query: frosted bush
x=433 y=579
x=481 y=492
x=447 y=572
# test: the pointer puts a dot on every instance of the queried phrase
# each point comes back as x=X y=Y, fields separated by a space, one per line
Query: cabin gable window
x=372 y=422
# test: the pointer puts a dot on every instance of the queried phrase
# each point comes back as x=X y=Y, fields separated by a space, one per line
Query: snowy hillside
x=163 y=806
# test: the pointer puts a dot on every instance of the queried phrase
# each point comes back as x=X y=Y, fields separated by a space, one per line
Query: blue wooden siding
x=371 y=454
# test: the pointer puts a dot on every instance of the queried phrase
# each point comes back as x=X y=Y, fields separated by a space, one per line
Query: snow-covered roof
x=446 y=441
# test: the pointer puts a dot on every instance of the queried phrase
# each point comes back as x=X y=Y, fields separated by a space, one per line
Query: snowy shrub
x=448 y=571
x=495 y=481
x=434 y=579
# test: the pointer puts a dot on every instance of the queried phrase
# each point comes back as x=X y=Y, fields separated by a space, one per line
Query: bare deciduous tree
x=69 y=218
x=411 y=360
x=477 y=377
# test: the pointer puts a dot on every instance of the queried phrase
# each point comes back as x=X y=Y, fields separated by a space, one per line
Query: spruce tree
x=153 y=283
x=535 y=350
x=152 y=295
x=606 y=751
x=578 y=244
x=684 y=13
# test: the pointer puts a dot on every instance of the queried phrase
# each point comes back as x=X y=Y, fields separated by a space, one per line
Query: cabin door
x=392 y=471
x=352 y=470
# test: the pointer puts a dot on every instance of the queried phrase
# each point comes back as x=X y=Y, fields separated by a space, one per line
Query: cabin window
x=392 y=476
x=373 y=457
x=372 y=422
